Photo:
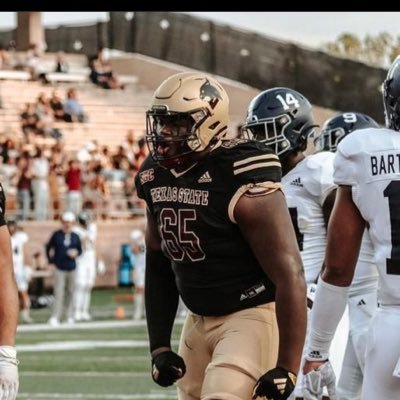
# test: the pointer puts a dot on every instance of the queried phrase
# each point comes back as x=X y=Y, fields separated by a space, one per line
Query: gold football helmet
x=188 y=114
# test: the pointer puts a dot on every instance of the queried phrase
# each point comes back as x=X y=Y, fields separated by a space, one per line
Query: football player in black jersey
x=219 y=234
x=9 y=310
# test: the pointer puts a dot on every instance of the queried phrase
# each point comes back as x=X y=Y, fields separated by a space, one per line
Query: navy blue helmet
x=281 y=118
x=391 y=96
x=340 y=125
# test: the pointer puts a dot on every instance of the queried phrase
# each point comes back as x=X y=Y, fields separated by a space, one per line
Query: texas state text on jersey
x=194 y=214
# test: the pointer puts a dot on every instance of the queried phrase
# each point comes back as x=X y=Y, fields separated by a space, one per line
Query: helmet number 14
x=289 y=100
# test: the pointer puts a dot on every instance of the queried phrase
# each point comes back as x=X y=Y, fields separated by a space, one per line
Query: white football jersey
x=17 y=244
x=369 y=161
x=306 y=187
x=87 y=236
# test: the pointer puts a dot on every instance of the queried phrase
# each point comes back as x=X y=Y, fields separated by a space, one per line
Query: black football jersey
x=216 y=271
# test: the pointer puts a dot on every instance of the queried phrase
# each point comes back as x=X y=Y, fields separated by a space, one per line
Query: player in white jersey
x=282 y=118
x=18 y=240
x=85 y=267
x=367 y=170
x=138 y=249
x=362 y=301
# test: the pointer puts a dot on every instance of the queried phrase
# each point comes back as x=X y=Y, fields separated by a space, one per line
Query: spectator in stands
x=40 y=185
x=57 y=106
x=61 y=63
x=86 y=152
x=18 y=240
x=42 y=102
x=5 y=58
x=35 y=65
x=130 y=190
x=58 y=155
x=30 y=120
x=9 y=171
x=24 y=187
x=73 y=181
x=73 y=110
x=8 y=145
x=55 y=173
x=101 y=73
x=105 y=159
x=141 y=153
x=120 y=157
x=46 y=123
x=62 y=250
x=95 y=193
x=130 y=145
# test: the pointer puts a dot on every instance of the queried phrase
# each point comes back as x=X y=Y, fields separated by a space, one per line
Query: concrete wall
x=151 y=72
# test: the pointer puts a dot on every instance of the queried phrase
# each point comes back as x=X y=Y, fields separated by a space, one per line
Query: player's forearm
x=161 y=299
x=329 y=305
x=9 y=309
x=291 y=313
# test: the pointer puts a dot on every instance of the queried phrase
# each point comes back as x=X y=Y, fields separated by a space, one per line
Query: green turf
x=103 y=305
x=99 y=374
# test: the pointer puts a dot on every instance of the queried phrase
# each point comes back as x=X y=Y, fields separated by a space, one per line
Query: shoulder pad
x=318 y=176
x=250 y=161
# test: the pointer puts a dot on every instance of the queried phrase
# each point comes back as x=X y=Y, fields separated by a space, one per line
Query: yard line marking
x=85 y=325
x=86 y=374
x=73 y=396
x=109 y=359
x=84 y=345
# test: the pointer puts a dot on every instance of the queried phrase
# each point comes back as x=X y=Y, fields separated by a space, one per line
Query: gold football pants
x=226 y=355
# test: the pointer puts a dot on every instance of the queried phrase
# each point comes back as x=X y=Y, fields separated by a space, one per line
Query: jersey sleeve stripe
x=256 y=166
x=255 y=158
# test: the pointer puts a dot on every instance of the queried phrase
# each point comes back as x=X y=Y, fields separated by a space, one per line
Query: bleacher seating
x=111 y=112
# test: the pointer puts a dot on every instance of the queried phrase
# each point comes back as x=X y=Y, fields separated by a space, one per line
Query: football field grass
x=99 y=360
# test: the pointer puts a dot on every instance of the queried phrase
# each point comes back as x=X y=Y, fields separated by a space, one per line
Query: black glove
x=276 y=384
x=167 y=368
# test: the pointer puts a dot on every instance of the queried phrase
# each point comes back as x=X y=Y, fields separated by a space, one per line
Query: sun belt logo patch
x=146 y=176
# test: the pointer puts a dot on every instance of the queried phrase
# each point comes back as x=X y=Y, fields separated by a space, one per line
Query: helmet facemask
x=270 y=131
x=391 y=106
x=173 y=136
x=330 y=138
x=274 y=132
x=188 y=116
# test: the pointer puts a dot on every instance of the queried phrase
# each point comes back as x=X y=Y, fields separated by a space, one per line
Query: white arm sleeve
x=329 y=305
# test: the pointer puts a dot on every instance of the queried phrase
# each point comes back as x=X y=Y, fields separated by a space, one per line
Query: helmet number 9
x=289 y=99
x=349 y=117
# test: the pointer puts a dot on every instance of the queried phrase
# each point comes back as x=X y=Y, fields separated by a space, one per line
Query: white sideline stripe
x=85 y=325
x=73 y=396
x=109 y=359
x=80 y=325
x=86 y=374
x=83 y=344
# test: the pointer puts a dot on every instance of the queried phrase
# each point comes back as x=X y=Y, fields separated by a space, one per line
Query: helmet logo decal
x=289 y=99
x=210 y=94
